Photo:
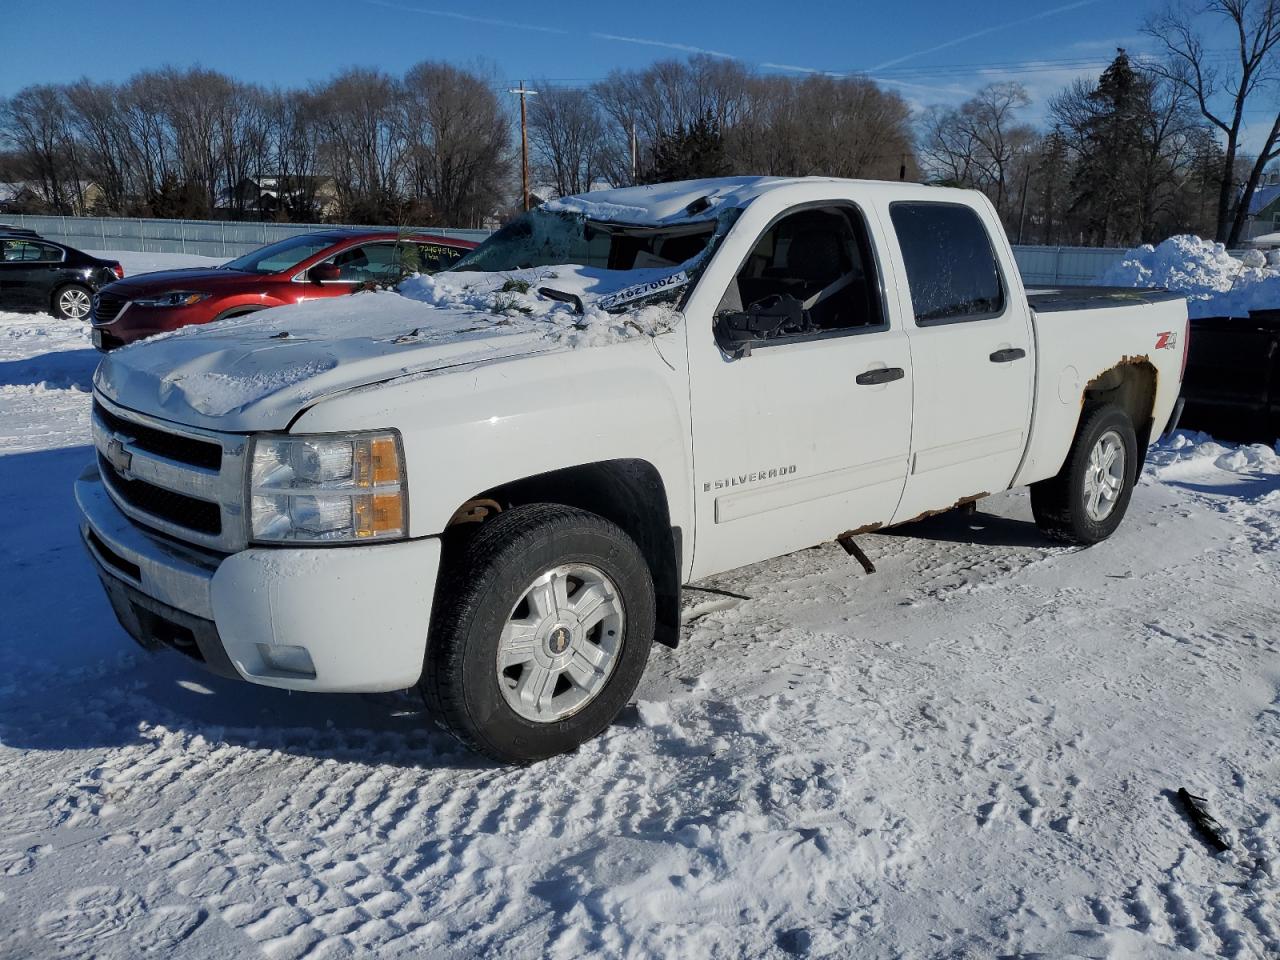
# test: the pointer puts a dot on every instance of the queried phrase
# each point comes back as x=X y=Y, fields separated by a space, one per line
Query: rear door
x=972 y=352
x=11 y=271
x=29 y=271
x=807 y=435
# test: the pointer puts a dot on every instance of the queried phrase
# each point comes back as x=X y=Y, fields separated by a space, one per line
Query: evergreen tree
x=688 y=153
x=1106 y=184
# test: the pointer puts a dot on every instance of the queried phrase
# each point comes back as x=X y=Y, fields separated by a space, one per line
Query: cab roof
x=667 y=203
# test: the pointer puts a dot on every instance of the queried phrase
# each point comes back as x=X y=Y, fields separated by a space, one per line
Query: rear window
x=951 y=268
x=435 y=257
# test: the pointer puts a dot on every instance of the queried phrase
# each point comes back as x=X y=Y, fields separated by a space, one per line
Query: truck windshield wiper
x=561 y=297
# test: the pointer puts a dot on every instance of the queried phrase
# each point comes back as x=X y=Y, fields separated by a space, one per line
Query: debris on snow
x=1197 y=810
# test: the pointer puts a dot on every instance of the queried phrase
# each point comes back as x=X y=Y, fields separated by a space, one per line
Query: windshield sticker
x=639 y=290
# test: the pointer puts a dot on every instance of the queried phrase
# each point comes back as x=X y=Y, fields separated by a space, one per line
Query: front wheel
x=1088 y=498
x=541 y=632
x=71 y=303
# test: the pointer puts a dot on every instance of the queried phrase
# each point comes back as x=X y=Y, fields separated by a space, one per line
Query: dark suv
x=38 y=274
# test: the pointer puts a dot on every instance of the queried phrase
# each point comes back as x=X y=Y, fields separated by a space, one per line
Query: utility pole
x=633 y=151
x=524 y=138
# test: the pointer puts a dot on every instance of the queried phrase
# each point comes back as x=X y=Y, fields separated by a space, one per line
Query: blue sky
x=929 y=50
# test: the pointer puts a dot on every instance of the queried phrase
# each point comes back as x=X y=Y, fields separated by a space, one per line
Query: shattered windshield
x=661 y=258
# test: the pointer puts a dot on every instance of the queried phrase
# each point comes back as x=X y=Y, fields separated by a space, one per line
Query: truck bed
x=1058 y=299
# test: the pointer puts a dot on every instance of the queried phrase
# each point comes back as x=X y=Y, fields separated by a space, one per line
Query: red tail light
x=118 y=271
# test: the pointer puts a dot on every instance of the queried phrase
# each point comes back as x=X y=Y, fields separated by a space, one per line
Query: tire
x=71 y=302
x=1079 y=505
x=509 y=591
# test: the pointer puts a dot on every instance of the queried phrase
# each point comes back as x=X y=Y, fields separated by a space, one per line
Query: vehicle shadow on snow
x=977 y=528
x=61 y=369
x=72 y=679
x=1244 y=488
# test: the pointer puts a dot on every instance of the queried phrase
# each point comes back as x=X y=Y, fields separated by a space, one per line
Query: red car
x=326 y=264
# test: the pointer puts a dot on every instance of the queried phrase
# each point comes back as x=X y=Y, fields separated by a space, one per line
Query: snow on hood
x=256 y=372
x=1215 y=283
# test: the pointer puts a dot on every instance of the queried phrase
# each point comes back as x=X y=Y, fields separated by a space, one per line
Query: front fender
x=469 y=429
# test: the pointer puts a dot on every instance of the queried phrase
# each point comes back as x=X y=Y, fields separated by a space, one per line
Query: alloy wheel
x=560 y=643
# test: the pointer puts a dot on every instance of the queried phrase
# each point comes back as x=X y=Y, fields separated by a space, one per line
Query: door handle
x=880 y=375
x=1009 y=355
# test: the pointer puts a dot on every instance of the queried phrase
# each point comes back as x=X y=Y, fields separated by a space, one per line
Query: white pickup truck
x=492 y=484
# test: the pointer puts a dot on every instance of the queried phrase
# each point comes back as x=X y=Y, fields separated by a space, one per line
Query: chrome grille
x=106 y=308
x=197 y=453
x=175 y=508
x=183 y=481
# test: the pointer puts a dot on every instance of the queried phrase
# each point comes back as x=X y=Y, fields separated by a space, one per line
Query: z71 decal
x=1167 y=340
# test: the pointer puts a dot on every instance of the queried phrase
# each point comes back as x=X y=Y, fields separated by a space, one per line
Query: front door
x=807 y=435
x=973 y=355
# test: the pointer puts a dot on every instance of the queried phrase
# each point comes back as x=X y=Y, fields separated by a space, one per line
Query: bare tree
x=150 y=152
x=94 y=110
x=294 y=134
x=362 y=146
x=1251 y=73
x=663 y=97
x=567 y=134
x=837 y=126
x=458 y=143
x=978 y=143
x=36 y=121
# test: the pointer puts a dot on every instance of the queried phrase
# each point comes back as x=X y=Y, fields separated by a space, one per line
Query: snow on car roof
x=666 y=203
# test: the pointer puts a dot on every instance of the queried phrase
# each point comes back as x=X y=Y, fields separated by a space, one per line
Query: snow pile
x=1189 y=453
x=1215 y=283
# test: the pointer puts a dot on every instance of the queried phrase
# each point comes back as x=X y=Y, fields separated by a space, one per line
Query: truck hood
x=259 y=371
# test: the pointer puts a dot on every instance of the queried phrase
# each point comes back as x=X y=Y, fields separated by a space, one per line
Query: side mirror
x=324 y=273
x=736 y=332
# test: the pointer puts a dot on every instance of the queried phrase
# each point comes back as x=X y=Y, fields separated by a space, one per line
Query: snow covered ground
x=971 y=753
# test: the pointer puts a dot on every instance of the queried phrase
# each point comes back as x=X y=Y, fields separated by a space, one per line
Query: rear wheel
x=72 y=302
x=1088 y=498
x=540 y=633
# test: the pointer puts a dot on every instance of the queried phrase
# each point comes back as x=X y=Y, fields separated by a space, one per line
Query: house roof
x=1263 y=197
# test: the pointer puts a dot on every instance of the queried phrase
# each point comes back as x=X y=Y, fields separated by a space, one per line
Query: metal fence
x=209 y=238
x=1040 y=266
x=1065 y=266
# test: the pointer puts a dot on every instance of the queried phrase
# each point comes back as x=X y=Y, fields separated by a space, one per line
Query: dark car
x=325 y=264
x=11 y=230
x=37 y=274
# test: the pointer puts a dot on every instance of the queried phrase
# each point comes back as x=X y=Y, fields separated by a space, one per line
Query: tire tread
x=461 y=591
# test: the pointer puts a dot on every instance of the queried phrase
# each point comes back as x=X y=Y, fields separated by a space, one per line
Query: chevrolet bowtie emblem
x=116 y=455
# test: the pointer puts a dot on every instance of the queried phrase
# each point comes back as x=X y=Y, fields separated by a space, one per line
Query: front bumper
x=360 y=613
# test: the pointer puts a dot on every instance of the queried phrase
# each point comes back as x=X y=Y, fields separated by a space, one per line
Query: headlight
x=328 y=488
x=173 y=298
